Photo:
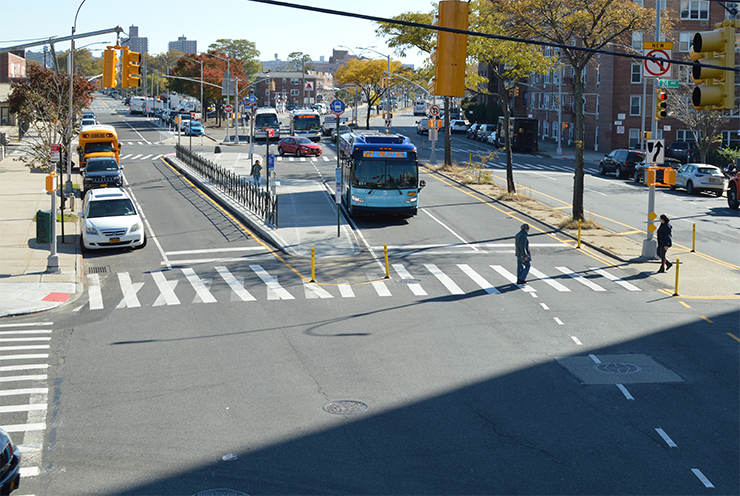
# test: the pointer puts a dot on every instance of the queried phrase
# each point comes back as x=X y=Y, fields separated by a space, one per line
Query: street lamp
x=202 y=108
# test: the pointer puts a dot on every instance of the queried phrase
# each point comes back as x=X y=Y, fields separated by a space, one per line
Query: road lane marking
x=543 y=277
x=625 y=392
x=733 y=336
x=703 y=317
x=594 y=358
x=166 y=288
x=702 y=478
x=544 y=306
x=612 y=277
x=146 y=156
x=235 y=285
x=12 y=392
x=444 y=279
x=345 y=289
x=512 y=278
x=26 y=347
x=25 y=427
x=666 y=438
x=16 y=340
x=404 y=274
x=449 y=229
x=560 y=322
x=129 y=290
x=271 y=283
x=40 y=377
x=216 y=250
x=22 y=408
x=684 y=304
x=198 y=285
x=576 y=340
x=26 y=324
x=135 y=157
x=580 y=278
x=94 y=293
x=478 y=279
x=25 y=357
x=311 y=291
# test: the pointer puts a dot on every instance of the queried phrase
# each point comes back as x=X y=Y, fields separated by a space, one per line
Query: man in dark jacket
x=664 y=242
x=523 y=257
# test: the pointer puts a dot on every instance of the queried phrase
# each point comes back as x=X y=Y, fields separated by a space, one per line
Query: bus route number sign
x=383 y=154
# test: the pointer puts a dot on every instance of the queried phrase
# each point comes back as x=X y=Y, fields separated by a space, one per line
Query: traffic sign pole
x=337 y=107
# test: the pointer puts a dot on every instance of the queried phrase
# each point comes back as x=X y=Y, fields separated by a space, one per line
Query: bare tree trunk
x=579 y=135
x=504 y=98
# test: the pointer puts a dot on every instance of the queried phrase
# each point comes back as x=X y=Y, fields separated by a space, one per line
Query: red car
x=298 y=146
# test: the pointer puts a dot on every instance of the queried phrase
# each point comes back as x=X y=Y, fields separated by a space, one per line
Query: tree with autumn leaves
x=42 y=100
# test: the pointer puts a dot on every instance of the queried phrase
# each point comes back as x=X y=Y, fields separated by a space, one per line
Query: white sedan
x=700 y=177
x=458 y=126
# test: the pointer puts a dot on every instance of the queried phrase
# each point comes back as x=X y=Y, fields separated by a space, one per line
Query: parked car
x=684 y=151
x=491 y=139
x=101 y=172
x=342 y=130
x=470 y=133
x=10 y=461
x=621 y=162
x=193 y=128
x=88 y=122
x=483 y=131
x=109 y=219
x=422 y=126
x=458 y=126
x=88 y=114
x=700 y=177
x=639 y=175
x=298 y=146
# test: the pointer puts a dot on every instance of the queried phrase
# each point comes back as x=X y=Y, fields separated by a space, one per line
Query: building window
x=684 y=74
x=545 y=131
x=555 y=130
x=685 y=135
x=294 y=92
x=598 y=76
x=685 y=39
x=598 y=106
x=635 y=107
x=294 y=81
x=636 y=73
x=547 y=100
x=532 y=104
x=731 y=139
x=547 y=78
x=284 y=80
x=637 y=41
x=596 y=139
x=694 y=10
x=267 y=92
x=638 y=2
x=634 y=137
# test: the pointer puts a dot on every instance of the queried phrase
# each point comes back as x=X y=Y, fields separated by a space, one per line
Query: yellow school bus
x=98 y=141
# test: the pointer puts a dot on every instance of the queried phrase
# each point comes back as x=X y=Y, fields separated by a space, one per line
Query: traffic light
x=272 y=85
x=450 y=54
x=516 y=91
x=131 y=76
x=110 y=68
x=661 y=104
x=716 y=87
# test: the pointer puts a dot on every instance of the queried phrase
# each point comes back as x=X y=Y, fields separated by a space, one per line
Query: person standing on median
x=664 y=242
x=255 y=172
x=523 y=257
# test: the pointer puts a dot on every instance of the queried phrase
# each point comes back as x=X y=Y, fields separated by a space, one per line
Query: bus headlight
x=412 y=199
x=357 y=199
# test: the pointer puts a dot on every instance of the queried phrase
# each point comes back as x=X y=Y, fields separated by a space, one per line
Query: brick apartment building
x=12 y=65
x=290 y=86
x=613 y=89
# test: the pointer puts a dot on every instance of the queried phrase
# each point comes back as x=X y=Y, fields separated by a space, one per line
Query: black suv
x=621 y=162
x=101 y=172
x=684 y=151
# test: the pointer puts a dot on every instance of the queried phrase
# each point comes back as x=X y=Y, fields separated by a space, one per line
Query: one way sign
x=655 y=153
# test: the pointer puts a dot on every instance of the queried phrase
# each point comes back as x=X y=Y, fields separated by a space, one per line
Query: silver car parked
x=700 y=177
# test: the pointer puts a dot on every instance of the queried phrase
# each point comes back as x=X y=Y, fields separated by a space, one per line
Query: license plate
x=115 y=240
x=711 y=179
x=103 y=185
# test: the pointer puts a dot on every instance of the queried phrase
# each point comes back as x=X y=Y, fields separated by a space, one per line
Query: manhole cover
x=409 y=281
x=220 y=492
x=345 y=407
x=98 y=270
x=314 y=232
x=617 y=368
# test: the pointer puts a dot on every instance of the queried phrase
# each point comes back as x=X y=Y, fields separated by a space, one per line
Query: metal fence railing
x=239 y=188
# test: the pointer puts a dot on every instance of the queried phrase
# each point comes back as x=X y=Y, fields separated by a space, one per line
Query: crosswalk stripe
x=29 y=471
x=25 y=427
x=13 y=392
x=404 y=274
x=478 y=279
x=444 y=279
x=560 y=167
x=25 y=347
x=313 y=291
x=127 y=156
x=235 y=285
x=291 y=159
x=279 y=158
x=140 y=142
x=381 y=288
x=271 y=283
x=135 y=157
x=94 y=293
x=542 y=277
x=130 y=142
x=303 y=159
x=157 y=157
x=25 y=357
x=326 y=159
x=580 y=278
x=198 y=285
x=166 y=289
x=345 y=290
x=612 y=277
x=129 y=291
x=22 y=408
x=146 y=156
x=512 y=278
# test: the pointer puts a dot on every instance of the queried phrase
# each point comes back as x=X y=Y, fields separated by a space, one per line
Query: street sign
x=337 y=107
x=387 y=123
x=338 y=183
x=271 y=133
x=228 y=109
x=655 y=152
x=309 y=86
x=56 y=152
x=192 y=115
x=434 y=110
x=658 y=64
x=668 y=83
x=270 y=161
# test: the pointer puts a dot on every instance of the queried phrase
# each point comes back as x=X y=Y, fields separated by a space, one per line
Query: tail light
x=626 y=163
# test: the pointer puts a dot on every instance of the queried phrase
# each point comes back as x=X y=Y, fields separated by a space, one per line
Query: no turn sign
x=228 y=109
x=659 y=54
x=434 y=110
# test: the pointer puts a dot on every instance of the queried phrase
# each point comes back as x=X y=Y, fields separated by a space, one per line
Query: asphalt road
x=444 y=379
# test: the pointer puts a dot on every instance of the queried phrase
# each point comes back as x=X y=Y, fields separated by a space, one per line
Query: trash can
x=43 y=226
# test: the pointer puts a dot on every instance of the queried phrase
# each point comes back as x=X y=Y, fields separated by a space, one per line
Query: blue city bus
x=380 y=174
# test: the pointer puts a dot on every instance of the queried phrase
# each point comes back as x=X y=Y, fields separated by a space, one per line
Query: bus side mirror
x=422 y=183
x=79 y=149
x=119 y=146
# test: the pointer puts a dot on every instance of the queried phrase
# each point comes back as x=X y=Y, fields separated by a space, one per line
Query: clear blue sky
x=274 y=29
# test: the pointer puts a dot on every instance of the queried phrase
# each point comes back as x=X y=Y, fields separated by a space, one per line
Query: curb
x=599 y=249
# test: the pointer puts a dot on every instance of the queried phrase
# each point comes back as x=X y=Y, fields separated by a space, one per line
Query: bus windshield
x=385 y=174
x=266 y=120
x=99 y=147
x=306 y=122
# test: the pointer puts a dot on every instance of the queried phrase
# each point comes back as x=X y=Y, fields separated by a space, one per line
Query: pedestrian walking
x=255 y=172
x=523 y=257
x=665 y=236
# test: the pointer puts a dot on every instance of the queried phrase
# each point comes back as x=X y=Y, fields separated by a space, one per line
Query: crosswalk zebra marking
x=512 y=278
x=236 y=286
x=166 y=290
x=345 y=290
x=94 y=293
x=201 y=286
x=580 y=278
x=628 y=286
x=326 y=159
x=544 y=278
x=312 y=291
x=136 y=156
x=478 y=279
x=444 y=279
x=379 y=286
x=129 y=289
x=146 y=156
x=125 y=157
x=404 y=274
x=278 y=292
x=157 y=157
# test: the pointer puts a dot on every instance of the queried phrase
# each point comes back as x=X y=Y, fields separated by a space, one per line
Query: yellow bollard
x=693 y=239
x=313 y=265
x=678 y=262
x=387 y=270
x=470 y=159
x=579 y=234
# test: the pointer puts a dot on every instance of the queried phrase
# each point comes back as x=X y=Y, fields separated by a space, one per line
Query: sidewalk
x=25 y=287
